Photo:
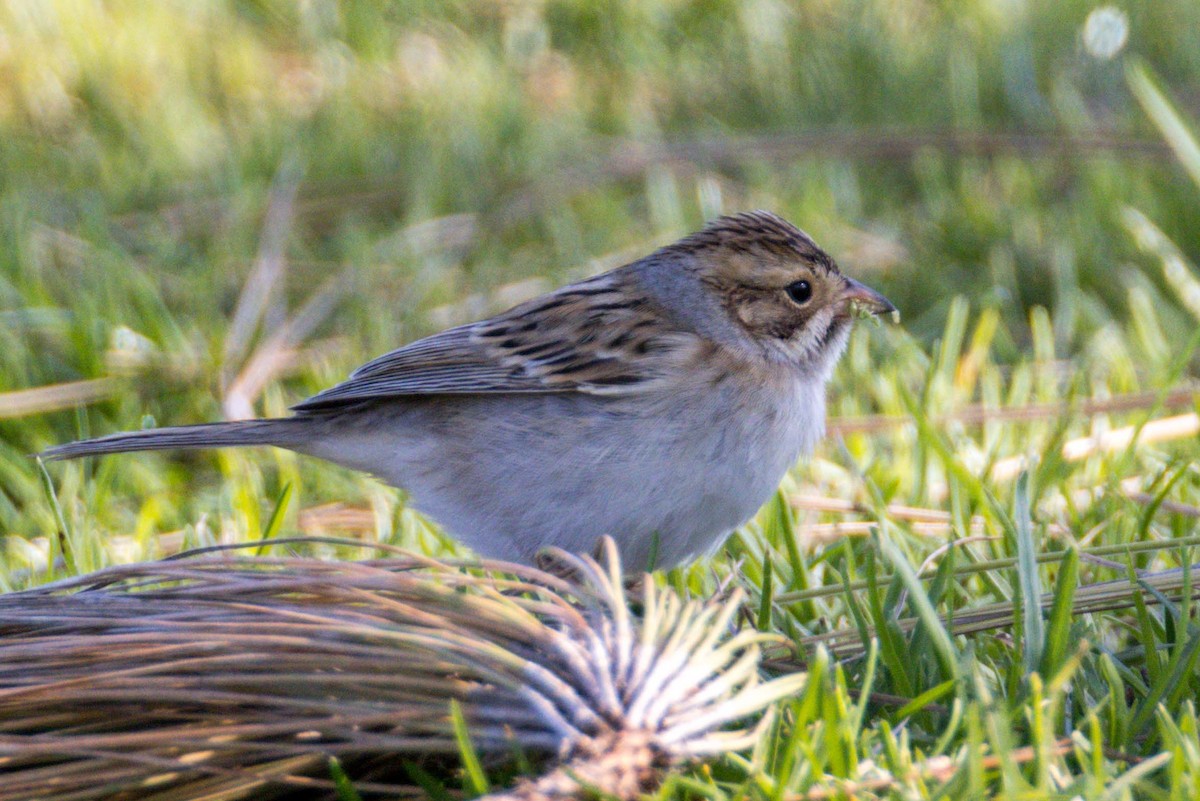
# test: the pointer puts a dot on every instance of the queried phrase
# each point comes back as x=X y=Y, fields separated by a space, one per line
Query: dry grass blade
x=277 y=353
x=263 y=282
x=1164 y=429
x=922 y=521
x=39 y=400
x=262 y=293
x=229 y=677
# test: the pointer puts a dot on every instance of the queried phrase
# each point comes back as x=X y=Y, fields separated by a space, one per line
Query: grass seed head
x=219 y=674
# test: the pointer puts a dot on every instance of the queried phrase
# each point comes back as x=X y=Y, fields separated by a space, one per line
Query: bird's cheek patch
x=764 y=316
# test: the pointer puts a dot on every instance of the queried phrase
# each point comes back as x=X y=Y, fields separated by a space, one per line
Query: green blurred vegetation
x=1026 y=199
x=445 y=150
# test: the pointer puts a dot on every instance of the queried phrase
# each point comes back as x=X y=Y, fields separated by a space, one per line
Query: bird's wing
x=595 y=337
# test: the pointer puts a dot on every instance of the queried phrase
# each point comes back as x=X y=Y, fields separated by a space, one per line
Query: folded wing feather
x=595 y=337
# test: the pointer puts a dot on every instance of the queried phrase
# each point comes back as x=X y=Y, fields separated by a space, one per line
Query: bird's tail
x=279 y=431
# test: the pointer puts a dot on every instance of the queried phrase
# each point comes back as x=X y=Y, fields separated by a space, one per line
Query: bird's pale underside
x=659 y=403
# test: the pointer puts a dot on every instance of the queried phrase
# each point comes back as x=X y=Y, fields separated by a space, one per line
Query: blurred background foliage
x=178 y=179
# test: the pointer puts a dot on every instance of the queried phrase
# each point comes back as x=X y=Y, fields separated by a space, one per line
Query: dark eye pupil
x=800 y=291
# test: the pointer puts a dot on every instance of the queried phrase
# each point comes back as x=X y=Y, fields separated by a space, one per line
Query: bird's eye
x=800 y=292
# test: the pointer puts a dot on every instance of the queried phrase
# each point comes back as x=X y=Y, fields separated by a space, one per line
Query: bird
x=660 y=403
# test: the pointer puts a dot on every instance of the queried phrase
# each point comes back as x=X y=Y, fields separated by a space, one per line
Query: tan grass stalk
x=39 y=400
x=922 y=521
x=262 y=287
x=1163 y=429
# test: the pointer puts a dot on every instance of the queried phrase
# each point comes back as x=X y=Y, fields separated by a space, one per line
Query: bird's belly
x=509 y=476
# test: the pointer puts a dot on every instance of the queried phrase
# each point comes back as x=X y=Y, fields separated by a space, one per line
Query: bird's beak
x=860 y=300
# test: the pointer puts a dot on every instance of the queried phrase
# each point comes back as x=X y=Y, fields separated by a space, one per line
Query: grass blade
x=342 y=784
x=1164 y=114
x=1028 y=579
x=276 y=521
x=1057 y=643
x=943 y=646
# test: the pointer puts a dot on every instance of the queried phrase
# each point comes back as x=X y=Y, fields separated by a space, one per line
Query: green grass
x=385 y=171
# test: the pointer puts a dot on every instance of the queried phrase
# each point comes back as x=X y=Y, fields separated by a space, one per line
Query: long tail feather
x=206 y=435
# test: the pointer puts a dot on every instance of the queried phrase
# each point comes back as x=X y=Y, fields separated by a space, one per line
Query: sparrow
x=659 y=403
